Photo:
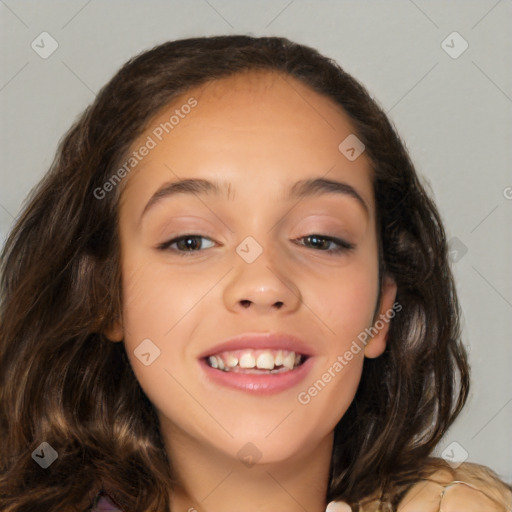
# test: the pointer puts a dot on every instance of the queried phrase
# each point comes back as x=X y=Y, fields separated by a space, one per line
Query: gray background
x=453 y=113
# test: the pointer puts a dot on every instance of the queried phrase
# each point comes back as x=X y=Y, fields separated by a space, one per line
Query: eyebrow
x=301 y=189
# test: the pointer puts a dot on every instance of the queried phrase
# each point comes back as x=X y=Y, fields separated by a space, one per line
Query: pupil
x=190 y=242
x=315 y=240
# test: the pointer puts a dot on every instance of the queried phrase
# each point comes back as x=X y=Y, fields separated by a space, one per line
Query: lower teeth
x=256 y=371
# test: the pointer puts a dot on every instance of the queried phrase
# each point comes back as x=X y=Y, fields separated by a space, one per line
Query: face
x=289 y=271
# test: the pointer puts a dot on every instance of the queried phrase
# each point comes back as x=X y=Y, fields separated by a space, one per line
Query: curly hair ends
x=63 y=382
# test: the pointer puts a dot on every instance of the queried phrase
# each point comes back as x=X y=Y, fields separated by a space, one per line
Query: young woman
x=231 y=293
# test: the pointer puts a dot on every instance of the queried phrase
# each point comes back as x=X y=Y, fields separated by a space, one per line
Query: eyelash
x=343 y=246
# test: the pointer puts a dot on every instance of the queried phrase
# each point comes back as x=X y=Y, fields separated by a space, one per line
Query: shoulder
x=469 y=487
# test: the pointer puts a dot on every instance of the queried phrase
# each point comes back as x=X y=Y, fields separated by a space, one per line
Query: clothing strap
x=474 y=487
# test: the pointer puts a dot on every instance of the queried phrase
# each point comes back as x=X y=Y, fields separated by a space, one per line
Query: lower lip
x=264 y=384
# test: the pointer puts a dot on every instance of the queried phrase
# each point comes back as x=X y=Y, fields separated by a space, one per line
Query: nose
x=262 y=286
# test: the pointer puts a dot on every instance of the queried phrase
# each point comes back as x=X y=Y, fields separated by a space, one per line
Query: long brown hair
x=62 y=382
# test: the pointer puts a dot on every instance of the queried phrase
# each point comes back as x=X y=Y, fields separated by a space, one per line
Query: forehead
x=259 y=99
x=250 y=128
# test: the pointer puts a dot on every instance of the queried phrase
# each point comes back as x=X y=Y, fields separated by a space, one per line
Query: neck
x=213 y=481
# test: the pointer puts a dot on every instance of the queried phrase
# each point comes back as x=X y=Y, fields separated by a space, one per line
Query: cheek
x=160 y=310
x=155 y=299
x=346 y=300
x=157 y=309
x=345 y=304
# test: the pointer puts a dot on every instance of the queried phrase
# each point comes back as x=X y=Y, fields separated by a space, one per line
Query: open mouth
x=257 y=361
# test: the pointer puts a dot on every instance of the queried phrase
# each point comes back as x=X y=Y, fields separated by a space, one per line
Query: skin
x=261 y=132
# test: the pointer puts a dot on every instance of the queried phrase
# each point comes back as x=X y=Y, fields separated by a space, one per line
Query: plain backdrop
x=453 y=110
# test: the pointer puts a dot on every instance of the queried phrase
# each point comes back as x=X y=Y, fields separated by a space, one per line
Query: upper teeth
x=260 y=359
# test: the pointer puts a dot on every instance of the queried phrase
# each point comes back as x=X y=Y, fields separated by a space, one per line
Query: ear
x=115 y=332
x=379 y=330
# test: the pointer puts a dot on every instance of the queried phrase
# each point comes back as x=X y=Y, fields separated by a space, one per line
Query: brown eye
x=325 y=243
x=185 y=244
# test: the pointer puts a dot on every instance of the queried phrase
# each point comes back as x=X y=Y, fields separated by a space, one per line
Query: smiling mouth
x=257 y=362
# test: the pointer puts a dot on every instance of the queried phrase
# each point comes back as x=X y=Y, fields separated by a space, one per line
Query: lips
x=261 y=341
x=258 y=362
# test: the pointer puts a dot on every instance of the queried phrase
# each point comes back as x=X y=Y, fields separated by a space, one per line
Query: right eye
x=185 y=244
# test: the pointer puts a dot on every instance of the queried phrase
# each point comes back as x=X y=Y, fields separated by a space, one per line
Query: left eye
x=337 y=244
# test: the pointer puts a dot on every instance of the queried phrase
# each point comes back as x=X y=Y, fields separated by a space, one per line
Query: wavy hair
x=63 y=382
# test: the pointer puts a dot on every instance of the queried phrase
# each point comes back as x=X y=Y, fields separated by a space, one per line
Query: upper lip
x=272 y=340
